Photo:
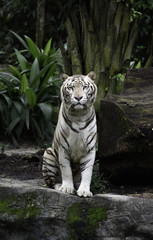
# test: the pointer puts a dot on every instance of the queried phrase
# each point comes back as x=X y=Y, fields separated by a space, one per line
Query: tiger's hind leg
x=50 y=168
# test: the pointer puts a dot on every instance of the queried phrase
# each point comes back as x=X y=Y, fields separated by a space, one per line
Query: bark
x=100 y=38
x=40 y=23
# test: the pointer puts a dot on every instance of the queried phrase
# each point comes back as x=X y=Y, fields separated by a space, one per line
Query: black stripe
x=68 y=122
x=91 y=149
x=91 y=128
x=55 y=149
x=53 y=166
x=51 y=153
x=88 y=122
x=65 y=139
x=49 y=171
x=83 y=165
x=60 y=144
x=91 y=139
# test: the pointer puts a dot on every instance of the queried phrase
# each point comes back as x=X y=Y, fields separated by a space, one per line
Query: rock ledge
x=29 y=211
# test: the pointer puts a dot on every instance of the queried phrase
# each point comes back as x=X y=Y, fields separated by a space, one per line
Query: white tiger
x=70 y=160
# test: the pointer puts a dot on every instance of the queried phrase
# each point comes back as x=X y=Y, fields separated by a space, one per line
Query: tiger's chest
x=79 y=142
x=77 y=146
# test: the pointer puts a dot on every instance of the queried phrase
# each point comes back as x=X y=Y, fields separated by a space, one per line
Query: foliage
x=30 y=93
x=97 y=183
x=143 y=50
x=13 y=12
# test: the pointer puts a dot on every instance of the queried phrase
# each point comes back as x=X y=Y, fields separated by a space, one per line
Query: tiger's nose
x=78 y=98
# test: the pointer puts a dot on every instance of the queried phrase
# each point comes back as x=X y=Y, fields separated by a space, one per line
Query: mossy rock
x=83 y=220
x=12 y=207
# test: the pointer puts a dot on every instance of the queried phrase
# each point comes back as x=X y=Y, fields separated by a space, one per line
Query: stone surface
x=26 y=149
x=29 y=211
x=126 y=129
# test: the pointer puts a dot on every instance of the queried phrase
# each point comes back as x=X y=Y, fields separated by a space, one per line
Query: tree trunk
x=40 y=22
x=100 y=38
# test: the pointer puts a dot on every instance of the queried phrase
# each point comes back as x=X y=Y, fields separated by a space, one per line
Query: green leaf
x=138 y=65
x=21 y=59
x=34 y=72
x=18 y=106
x=8 y=100
x=13 y=125
x=15 y=71
x=40 y=74
x=27 y=118
x=14 y=113
x=20 y=39
x=24 y=84
x=8 y=77
x=33 y=47
x=31 y=97
x=49 y=73
x=37 y=128
x=46 y=110
x=47 y=47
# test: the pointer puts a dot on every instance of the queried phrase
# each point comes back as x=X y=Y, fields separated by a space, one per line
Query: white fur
x=78 y=143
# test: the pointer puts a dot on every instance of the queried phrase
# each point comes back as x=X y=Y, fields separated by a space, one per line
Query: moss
x=11 y=207
x=95 y=215
x=74 y=214
x=83 y=220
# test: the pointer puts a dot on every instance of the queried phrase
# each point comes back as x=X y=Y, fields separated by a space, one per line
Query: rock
x=29 y=211
x=25 y=149
x=126 y=129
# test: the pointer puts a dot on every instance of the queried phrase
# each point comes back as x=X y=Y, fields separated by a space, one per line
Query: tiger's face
x=78 y=91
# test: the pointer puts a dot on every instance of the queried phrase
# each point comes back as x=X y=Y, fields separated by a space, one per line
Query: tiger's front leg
x=67 y=185
x=86 y=168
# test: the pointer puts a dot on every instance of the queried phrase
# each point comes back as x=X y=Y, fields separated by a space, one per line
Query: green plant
x=30 y=95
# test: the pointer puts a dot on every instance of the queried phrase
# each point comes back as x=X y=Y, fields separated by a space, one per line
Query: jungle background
x=41 y=39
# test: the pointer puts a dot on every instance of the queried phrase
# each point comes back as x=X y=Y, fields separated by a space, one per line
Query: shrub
x=30 y=93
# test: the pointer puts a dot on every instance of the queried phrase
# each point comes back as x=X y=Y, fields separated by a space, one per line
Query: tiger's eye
x=85 y=87
x=70 y=88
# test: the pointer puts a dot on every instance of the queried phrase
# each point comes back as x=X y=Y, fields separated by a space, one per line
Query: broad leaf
x=33 y=47
x=49 y=73
x=18 y=106
x=8 y=100
x=21 y=59
x=40 y=74
x=27 y=118
x=138 y=65
x=8 y=77
x=15 y=71
x=37 y=129
x=20 y=39
x=13 y=125
x=47 y=47
x=24 y=84
x=34 y=72
x=31 y=97
x=46 y=110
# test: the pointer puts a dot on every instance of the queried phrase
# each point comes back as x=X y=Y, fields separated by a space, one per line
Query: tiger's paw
x=84 y=193
x=65 y=188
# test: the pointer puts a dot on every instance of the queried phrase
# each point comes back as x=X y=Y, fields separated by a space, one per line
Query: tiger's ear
x=92 y=75
x=63 y=77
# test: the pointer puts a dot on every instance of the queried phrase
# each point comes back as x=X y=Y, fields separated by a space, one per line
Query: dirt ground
x=29 y=167
x=21 y=167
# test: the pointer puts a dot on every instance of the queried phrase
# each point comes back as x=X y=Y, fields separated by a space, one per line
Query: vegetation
x=83 y=220
x=30 y=208
x=107 y=43
x=30 y=91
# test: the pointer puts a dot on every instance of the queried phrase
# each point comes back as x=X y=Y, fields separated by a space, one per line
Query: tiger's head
x=78 y=91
